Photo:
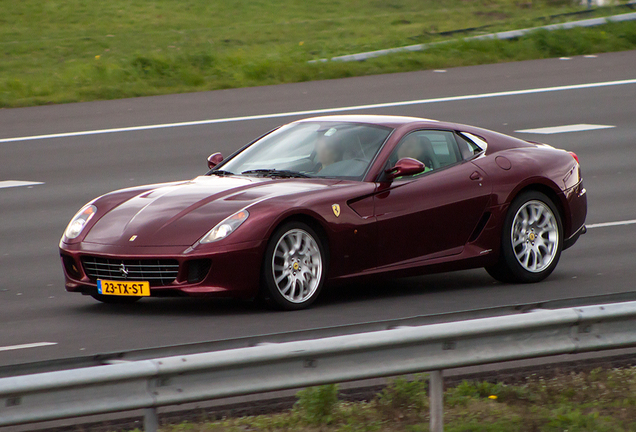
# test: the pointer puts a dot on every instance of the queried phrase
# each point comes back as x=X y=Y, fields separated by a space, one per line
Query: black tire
x=121 y=300
x=302 y=272
x=529 y=251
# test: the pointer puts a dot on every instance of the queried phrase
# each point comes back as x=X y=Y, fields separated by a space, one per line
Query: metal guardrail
x=314 y=333
x=511 y=34
x=153 y=383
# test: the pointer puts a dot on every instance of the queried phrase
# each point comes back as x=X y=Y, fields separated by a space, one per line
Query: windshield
x=312 y=149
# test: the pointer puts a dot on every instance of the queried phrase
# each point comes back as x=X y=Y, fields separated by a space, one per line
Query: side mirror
x=405 y=167
x=214 y=160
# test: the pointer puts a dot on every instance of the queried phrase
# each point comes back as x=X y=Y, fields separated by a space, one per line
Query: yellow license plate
x=123 y=288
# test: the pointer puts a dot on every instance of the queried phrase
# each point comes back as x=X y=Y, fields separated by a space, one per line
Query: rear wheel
x=532 y=240
x=115 y=299
x=294 y=267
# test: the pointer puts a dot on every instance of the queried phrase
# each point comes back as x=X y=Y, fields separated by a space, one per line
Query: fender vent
x=480 y=227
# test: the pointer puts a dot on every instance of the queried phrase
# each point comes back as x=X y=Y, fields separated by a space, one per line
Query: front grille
x=159 y=272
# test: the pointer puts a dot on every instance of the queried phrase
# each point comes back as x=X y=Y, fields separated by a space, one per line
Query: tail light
x=576 y=158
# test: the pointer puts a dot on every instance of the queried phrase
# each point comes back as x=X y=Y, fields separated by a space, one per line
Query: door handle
x=476 y=176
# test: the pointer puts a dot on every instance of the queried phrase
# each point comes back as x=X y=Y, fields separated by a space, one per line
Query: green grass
x=79 y=50
x=596 y=401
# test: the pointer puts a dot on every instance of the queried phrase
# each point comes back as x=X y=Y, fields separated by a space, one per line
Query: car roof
x=380 y=120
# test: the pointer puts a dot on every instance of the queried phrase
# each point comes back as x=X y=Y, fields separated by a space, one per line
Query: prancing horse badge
x=336 y=209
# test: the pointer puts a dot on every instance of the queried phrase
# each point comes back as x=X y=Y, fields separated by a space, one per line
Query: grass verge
x=597 y=401
x=81 y=50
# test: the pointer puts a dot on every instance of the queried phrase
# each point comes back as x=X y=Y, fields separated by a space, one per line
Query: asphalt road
x=35 y=308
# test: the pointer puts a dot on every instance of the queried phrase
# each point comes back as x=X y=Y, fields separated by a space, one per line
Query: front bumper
x=219 y=271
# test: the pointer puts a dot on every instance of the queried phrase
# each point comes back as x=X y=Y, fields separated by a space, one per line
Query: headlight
x=79 y=221
x=225 y=227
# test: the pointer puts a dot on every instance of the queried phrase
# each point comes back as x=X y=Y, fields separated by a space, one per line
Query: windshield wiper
x=276 y=173
x=220 y=173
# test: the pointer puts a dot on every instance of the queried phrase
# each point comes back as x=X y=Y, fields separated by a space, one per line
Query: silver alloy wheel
x=297 y=266
x=535 y=236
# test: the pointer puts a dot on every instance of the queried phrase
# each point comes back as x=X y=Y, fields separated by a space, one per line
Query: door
x=432 y=214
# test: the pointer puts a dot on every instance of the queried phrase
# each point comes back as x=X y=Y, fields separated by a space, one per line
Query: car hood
x=179 y=214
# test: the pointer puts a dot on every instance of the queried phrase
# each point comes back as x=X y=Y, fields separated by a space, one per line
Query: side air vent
x=480 y=227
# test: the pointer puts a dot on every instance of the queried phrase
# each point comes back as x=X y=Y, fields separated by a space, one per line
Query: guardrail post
x=436 y=397
x=151 y=420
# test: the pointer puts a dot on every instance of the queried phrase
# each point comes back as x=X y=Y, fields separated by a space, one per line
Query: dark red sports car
x=333 y=198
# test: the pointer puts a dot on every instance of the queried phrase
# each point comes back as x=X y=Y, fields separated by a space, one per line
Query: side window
x=468 y=148
x=435 y=149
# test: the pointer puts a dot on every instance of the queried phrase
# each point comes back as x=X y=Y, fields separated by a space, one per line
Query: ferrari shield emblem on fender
x=336 y=209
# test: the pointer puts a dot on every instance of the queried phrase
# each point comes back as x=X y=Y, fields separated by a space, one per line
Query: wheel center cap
x=296 y=266
x=531 y=236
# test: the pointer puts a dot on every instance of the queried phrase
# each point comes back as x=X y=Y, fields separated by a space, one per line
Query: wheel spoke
x=526 y=258
x=292 y=289
x=301 y=286
x=284 y=247
x=285 y=288
x=536 y=214
x=280 y=278
x=296 y=242
x=518 y=240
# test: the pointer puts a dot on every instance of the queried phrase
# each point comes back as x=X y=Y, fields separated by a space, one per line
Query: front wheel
x=532 y=240
x=294 y=267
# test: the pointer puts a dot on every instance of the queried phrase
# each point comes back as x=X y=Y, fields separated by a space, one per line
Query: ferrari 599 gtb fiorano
x=331 y=199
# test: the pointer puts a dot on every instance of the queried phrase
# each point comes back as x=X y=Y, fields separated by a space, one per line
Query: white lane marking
x=29 y=345
x=567 y=128
x=16 y=183
x=324 y=110
x=611 y=224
